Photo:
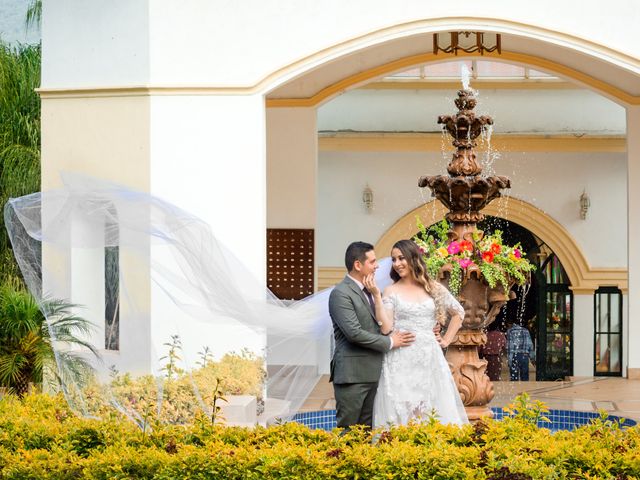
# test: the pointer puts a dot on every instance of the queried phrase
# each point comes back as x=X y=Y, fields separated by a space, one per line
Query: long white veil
x=173 y=309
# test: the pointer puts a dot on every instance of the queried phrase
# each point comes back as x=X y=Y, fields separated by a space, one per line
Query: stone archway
x=357 y=60
x=583 y=277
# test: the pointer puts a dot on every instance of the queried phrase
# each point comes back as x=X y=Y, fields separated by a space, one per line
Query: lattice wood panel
x=290 y=253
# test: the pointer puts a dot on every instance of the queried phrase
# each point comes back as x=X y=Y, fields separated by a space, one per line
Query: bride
x=416 y=381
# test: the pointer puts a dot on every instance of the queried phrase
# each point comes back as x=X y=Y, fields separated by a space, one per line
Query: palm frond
x=11 y=368
x=33 y=341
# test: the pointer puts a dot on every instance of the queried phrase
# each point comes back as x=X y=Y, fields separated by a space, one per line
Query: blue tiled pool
x=560 y=419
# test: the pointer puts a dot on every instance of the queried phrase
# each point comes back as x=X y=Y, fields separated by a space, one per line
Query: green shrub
x=40 y=438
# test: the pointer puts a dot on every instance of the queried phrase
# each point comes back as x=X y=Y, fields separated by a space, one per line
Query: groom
x=359 y=350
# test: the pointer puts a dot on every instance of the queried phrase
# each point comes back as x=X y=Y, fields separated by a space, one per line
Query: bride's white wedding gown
x=416 y=380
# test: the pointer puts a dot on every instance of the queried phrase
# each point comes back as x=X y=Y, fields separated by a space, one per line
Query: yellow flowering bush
x=41 y=438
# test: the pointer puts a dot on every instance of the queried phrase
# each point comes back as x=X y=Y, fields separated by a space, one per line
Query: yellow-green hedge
x=41 y=438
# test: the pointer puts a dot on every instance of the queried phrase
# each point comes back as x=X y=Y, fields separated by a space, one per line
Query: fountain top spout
x=464 y=127
x=465 y=192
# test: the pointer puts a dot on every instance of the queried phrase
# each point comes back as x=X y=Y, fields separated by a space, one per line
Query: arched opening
x=544 y=306
x=368 y=154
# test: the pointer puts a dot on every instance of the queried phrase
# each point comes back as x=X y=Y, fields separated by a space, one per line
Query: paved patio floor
x=618 y=396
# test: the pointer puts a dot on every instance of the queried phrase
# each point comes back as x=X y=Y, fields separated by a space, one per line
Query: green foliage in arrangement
x=19 y=136
x=499 y=264
x=41 y=438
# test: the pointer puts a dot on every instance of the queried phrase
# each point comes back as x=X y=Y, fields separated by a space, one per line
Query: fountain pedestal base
x=468 y=370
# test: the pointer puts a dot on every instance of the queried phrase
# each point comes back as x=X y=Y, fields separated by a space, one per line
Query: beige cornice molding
x=339 y=87
x=142 y=91
x=432 y=142
x=584 y=278
x=347 y=83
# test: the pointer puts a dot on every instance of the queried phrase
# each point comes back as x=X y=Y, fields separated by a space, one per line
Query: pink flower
x=517 y=253
x=453 y=248
x=465 y=262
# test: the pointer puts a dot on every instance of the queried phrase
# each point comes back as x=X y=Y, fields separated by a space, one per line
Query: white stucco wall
x=633 y=164
x=94 y=43
x=583 y=328
x=89 y=43
x=213 y=166
x=552 y=182
x=292 y=157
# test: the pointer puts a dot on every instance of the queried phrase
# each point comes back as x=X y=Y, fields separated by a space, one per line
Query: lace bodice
x=411 y=316
x=419 y=316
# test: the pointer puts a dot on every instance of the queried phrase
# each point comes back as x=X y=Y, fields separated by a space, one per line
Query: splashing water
x=465 y=76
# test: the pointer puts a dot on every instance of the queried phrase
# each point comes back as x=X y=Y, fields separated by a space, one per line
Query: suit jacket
x=360 y=347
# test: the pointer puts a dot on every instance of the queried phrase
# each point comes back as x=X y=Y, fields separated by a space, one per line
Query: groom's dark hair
x=356 y=251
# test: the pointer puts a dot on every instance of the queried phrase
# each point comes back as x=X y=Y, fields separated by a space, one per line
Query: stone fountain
x=465 y=192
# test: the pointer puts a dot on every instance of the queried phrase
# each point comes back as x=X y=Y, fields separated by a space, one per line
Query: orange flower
x=466 y=246
x=495 y=248
x=487 y=256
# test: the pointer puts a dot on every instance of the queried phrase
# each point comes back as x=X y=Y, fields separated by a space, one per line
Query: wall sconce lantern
x=585 y=203
x=367 y=198
x=468 y=42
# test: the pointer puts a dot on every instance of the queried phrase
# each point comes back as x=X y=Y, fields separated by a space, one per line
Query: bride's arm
x=455 y=311
x=384 y=315
x=454 y=325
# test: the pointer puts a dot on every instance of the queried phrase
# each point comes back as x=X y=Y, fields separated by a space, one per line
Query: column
x=632 y=343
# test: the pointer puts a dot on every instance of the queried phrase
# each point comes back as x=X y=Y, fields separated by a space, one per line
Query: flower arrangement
x=498 y=263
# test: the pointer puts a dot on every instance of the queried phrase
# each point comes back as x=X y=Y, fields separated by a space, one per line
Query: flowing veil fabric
x=180 y=294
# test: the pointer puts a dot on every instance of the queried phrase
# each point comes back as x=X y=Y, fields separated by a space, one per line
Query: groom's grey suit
x=359 y=350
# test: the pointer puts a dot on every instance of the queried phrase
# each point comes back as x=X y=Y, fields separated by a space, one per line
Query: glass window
x=498 y=70
x=554 y=272
x=480 y=69
x=608 y=332
x=558 y=330
x=554 y=359
x=112 y=284
x=446 y=69
x=412 y=73
x=531 y=73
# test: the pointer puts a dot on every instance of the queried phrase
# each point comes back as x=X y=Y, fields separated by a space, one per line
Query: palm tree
x=27 y=337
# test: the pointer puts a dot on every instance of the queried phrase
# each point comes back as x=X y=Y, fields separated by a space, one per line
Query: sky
x=12 y=23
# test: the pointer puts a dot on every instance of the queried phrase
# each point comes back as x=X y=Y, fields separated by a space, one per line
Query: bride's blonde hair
x=418 y=268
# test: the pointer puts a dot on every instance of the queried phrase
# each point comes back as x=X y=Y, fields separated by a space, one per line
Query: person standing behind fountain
x=519 y=351
x=416 y=381
x=357 y=359
x=492 y=352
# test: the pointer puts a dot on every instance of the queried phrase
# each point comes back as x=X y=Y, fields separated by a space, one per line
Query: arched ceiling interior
x=368 y=65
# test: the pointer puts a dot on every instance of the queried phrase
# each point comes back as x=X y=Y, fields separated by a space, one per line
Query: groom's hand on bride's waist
x=402 y=339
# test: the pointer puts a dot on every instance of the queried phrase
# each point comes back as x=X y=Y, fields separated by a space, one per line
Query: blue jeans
x=519 y=367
